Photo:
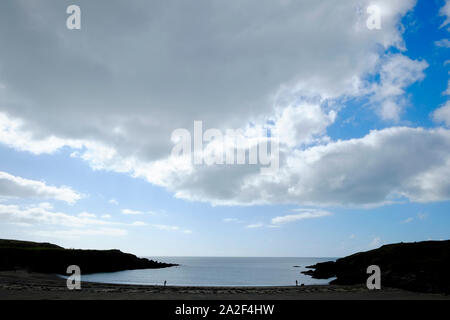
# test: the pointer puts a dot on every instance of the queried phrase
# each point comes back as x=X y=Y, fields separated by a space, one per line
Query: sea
x=218 y=271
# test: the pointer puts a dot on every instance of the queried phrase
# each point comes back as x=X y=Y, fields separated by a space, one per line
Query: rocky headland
x=419 y=266
x=50 y=258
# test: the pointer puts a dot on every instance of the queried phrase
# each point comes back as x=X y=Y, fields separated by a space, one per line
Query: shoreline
x=23 y=285
x=211 y=286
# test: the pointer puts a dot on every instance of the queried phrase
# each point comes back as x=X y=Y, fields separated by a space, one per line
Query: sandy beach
x=34 y=286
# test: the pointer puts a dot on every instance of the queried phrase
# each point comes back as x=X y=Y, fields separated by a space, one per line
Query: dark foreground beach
x=23 y=285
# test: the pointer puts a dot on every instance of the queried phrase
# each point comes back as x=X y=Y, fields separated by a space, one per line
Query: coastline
x=23 y=285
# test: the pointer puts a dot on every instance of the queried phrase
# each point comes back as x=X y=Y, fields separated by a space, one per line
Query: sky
x=357 y=101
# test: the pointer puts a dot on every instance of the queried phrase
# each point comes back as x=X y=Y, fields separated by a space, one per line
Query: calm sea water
x=217 y=271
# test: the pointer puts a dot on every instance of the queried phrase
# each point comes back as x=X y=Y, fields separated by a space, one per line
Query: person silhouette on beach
x=296 y=283
x=165 y=282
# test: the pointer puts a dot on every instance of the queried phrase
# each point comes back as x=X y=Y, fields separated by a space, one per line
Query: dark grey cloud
x=137 y=70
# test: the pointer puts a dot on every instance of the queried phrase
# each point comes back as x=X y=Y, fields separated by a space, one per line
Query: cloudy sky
x=362 y=117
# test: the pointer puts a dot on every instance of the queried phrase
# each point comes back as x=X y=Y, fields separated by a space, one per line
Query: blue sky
x=86 y=118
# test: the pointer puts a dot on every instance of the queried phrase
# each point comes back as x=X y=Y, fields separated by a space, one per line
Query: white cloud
x=138 y=224
x=46 y=205
x=376 y=242
x=255 y=225
x=131 y=212
x=442 y=115
x=87 y=215
x=445 y=43
x=106 y=216
x=447 y=91
x=77 y=233
x=304 y=214
x=422 y=216
x=302 y=124
x=14 y=135
x=408 y=220
x=40 y=215
x=219 y=75
x=445 y=11
x=113 y=201
x=228 y=220
x=222 y=71
x=165 y=227
x=396 y=74
x=297 y=124
x=17 y=187
x=368 y=171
